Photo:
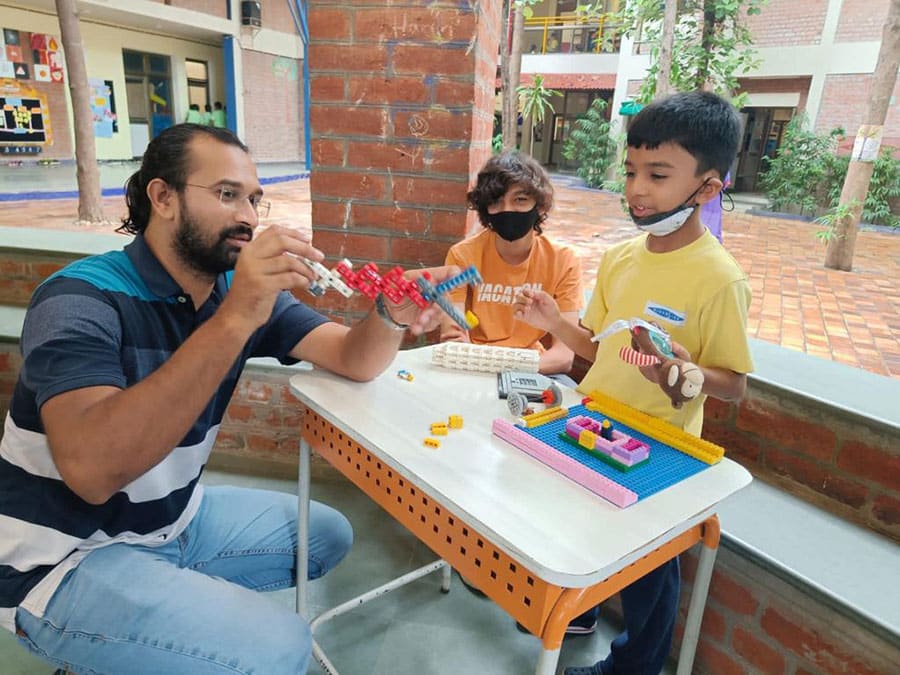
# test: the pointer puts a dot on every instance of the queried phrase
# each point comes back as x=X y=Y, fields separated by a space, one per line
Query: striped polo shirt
x=108 y=320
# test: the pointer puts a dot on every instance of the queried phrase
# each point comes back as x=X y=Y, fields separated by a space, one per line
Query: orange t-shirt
x=549 y=267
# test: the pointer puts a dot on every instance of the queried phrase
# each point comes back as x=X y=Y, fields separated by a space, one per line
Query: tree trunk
x=709 y=29
x=666 y=44
x=90 y=204
x=839 y=252
x=511 y=45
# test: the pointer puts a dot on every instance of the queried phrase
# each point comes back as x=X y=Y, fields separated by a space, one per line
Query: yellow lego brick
x=471 y=319
x=455 y=421
x=587 y=439
x=656 y=428
x=544 y=416
x=432 y=442
x=439 y=429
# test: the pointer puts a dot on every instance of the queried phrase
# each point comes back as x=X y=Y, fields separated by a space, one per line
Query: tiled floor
x=416 y=630
x=851 y=318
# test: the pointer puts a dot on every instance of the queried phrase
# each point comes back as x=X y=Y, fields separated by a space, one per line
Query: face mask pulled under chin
x=661 y=224
x=667 y=222
x=513 y=225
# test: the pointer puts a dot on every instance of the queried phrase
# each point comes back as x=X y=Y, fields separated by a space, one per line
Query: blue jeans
x=192 y=606
x=650 y=608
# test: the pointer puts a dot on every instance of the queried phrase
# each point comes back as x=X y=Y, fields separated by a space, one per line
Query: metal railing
x=570 y=35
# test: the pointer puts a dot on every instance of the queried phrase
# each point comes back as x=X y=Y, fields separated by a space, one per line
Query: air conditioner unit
x=251 y=13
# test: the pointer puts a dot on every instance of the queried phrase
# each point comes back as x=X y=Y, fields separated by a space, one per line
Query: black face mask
x=513 y=225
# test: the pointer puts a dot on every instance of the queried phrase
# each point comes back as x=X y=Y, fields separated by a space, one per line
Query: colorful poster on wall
x=14 y=53
x=104 y=117
x=55 y=59
x=24 y=56
x=11 y=36
x=24 y=115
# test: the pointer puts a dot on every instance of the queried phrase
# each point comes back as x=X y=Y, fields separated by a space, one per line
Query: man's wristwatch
x=382 y=311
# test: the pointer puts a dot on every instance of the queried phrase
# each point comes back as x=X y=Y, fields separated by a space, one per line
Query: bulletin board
x=24 y=115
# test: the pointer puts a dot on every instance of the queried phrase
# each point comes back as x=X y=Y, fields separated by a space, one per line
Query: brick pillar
x=401 y=118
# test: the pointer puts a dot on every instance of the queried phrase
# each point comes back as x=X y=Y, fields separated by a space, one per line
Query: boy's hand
x=679 y=379
x=538 y=309
x=450 y=332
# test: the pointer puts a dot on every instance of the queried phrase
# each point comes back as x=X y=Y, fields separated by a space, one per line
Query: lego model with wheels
x=615 y=451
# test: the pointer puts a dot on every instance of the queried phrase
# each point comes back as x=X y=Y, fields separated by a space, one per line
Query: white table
x=541 y=546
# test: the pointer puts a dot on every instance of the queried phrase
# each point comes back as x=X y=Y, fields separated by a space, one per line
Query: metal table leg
x=698 y=596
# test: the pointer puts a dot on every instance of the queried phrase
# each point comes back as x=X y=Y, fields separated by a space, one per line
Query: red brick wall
x=20 y=274
x=756 y=623
x=276 y=15
x=788 y=23
x=845 y=99
x=273 y=106
x=263 y=419
x=402 y=106
x=842 y=464
x=861 y=20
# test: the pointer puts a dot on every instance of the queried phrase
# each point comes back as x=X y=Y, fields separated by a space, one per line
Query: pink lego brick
x=600 y=485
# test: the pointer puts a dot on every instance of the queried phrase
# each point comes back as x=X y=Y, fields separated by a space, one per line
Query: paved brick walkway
x=852 y=318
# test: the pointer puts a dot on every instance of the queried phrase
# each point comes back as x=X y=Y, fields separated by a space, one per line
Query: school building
x=149 y=60
x=816 y=56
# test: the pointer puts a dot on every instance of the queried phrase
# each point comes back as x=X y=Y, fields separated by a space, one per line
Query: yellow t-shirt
x=550 y=267
x=698 y=293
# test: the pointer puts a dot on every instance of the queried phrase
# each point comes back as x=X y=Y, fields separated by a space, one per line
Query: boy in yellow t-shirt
x=513 y=196
x=677 y=275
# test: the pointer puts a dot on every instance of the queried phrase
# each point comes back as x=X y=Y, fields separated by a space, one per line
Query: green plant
x=497 y=143
x=591 y=145
x=804 y=169
x=807 y=176
x=712 y=44
x=535 y=102
x=883 y=188
x=831 y=219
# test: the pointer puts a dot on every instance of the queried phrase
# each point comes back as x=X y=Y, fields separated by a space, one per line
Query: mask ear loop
x=722 y=196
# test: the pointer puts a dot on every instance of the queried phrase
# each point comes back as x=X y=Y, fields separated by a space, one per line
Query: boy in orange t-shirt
x=513 y=196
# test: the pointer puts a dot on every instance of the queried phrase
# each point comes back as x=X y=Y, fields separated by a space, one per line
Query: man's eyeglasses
x=229 y=196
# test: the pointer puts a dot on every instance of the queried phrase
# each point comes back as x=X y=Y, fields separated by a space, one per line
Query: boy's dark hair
x=167 y=157
x=703 y=123
x=501 y=172
x=218 y=105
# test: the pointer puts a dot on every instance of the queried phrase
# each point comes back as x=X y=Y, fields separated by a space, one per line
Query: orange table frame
x=543 y=608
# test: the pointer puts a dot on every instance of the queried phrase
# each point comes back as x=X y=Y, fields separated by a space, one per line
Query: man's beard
x=195 y=251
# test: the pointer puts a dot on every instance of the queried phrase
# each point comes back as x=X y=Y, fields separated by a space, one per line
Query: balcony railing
x=570 y=34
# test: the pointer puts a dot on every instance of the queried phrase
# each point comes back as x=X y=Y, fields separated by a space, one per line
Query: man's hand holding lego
x=268 y=264
x=421 y=321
